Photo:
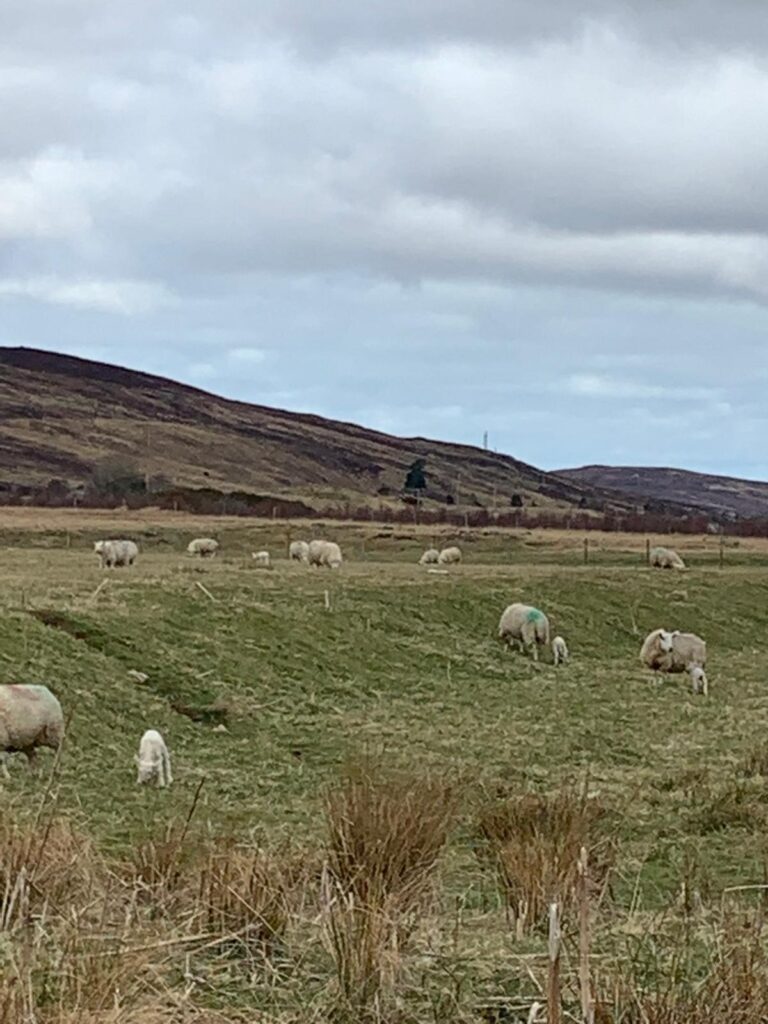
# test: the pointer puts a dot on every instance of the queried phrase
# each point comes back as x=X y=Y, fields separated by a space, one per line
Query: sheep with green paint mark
x=526 y=626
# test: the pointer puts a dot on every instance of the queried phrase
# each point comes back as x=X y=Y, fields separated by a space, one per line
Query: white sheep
x=325 y=554
x=116 y=552
x=299 y=551
x=665 y=651
x=30 y=717
x=525 y=625
x=699 y=682
x=560 y=652
x=449 y=556
x=204 y=547
x=665 y=558
x=430 y=557
x=261 y=558
x=153 y=760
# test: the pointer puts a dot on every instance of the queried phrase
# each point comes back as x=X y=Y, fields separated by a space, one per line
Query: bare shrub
x=385 y=834
x=534 y=841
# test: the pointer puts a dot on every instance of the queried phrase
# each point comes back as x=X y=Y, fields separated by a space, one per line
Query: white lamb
x=261 y=558
x=299 y=551
x=430 y=557
x=154 y=761
x=116 y=552
x=699 y=682
x=560 y=652
x=205 y=547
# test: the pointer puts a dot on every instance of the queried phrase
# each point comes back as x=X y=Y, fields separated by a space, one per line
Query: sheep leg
x=167 y=764
x=4 y=765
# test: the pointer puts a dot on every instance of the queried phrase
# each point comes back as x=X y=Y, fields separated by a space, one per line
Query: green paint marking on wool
x=534 y=615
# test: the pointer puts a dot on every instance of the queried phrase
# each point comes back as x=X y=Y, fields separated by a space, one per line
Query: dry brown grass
x=534 y=842
x=385 y=837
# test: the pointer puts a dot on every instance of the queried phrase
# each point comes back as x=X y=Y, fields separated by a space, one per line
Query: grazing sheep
x=699 y=682
x=153 y=761
x=449 y=556
x=665 y=651
x=205 y=547
x=559 y=651
x=261 y=558
x=526 y=626
x=116 y=552
x=430 y=557
x=666 y=558
x=325 y=553
x=299 y=551
x=30 y=717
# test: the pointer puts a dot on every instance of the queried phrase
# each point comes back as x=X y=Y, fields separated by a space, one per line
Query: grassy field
x=270 y=700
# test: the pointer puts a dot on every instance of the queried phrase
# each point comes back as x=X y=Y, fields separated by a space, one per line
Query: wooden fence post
x=553 y=977
x=722 y=551
x=647 y=550
x=586 y=550
x=587 y=1006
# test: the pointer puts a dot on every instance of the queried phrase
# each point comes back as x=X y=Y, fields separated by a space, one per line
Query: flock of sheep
x=32 y=717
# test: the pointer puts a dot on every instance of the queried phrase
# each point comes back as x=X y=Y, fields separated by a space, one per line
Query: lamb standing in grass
x=154 y=761
x=325 y=554
x=449 y=556
x=525 y=625
x=204 y=547
x=559 y=651
x=699 y=682
x=430 y=557
x=665 y=651
x=30 y=717
x=116 y=552
x=299 y=551
x=666 y=558
x=261 y=558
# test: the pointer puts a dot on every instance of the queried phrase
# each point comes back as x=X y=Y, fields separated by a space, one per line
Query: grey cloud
x=536 y=219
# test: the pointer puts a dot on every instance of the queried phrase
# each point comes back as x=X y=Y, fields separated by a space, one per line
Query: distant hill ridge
x=718 y=495
x=61 y=415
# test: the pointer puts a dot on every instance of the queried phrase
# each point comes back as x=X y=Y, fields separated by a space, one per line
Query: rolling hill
x=717 y=495
x=60 y=416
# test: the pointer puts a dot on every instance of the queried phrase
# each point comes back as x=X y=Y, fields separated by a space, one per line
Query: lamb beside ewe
x=666 y=558
x=449 y=556
x=559 y=651
x=526 y=626
x=299 y=551
x=30 y=717
x=430 y=557
x=204 y=547
x=665 y=651
x=116 y=552
x=153 y=760
x=325 y=554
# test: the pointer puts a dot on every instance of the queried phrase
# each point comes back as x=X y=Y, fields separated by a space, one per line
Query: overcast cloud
x=548 y=221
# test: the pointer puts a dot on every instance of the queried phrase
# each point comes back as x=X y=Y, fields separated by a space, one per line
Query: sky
x=544 y=221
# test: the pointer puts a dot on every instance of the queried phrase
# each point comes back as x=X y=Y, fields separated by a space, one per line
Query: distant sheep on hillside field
x=525 y=625
x=153 y=761
x=30 y=717
x=299 y=551
x=665 y=651
x=449 y=556
x=325 y=554
x=116 y=552
x=261 y=558
x=204 y=547
x=666 y=558
x=430 y=557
